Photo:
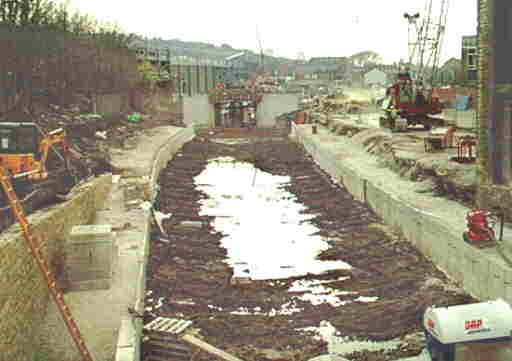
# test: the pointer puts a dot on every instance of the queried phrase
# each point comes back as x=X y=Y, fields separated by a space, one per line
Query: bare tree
x=49 y=51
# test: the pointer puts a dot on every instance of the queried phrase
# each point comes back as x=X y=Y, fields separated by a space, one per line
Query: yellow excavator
x=40 y=164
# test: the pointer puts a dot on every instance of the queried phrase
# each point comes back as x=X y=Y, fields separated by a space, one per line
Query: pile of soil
x=188 y=275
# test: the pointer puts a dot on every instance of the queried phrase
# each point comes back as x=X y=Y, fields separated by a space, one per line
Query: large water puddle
x=266 y=236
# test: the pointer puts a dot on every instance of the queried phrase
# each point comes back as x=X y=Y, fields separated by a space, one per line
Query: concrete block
x=453 y=262
x=507 y=282
x=481 y=276
x=127 y=334
x=412 y=225
x=470 y=283
x=373 y=197
x=439 y=251
x=392 y=211
x=273 y=105
x=352 y=182
x=496 y=280
x=435 y=241
x=89 y=253
x=466 y=263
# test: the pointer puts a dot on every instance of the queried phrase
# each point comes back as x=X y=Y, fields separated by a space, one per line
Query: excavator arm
x=54 y=138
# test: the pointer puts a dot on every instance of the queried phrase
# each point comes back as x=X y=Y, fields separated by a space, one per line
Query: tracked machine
x=409 y=104
x=410 y=101
x=41 y=166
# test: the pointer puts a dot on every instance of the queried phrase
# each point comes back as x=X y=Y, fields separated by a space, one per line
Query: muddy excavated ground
x=189 y=277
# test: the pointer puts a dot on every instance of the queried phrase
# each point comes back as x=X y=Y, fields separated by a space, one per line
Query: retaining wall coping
x=341 y=154
x=131 y=328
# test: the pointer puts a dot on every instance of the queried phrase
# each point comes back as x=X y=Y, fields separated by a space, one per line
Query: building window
x=471 y=58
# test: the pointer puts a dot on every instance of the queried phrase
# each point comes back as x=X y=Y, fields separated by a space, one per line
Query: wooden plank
x=171 y=354
x=209 y=348
x=169 y=345
x=160 y=358
x=166 y=337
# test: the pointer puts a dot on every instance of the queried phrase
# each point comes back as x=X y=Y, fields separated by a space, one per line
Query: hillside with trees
x=200 y=50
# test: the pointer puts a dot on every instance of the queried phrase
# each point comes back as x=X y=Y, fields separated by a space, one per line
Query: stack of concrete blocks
x=89 y=256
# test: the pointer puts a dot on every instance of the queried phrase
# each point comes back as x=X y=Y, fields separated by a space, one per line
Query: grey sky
x=317 y=28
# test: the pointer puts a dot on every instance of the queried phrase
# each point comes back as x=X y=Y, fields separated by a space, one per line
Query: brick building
x=494 y=114
x=469 y=57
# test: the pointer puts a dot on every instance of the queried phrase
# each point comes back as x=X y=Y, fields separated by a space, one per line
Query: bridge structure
x=195 y=75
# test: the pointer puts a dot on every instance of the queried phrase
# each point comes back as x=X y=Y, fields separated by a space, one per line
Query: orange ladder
x=35 y=248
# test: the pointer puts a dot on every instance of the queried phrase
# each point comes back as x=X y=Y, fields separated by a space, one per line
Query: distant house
x=450 y=73
x=375 y=77
x=470 y=57
x=324 y=68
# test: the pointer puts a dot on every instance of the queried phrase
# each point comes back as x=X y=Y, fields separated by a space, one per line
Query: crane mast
x=425 y=36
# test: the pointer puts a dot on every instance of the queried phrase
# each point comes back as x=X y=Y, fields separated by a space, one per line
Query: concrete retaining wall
x=198 y=112
x=433 y=225
x=130 y=333
x=24 y=294
x=273 y=105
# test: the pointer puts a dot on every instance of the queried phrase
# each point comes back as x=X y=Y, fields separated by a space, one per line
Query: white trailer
x=474 y=332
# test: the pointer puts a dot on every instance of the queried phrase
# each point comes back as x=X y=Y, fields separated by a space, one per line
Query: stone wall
x=24 y=294
x=491 y=196
x=483 y=93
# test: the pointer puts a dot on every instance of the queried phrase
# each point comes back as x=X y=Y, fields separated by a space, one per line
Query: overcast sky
x=316 y=28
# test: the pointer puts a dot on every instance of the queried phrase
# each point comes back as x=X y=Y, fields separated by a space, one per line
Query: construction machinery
x=410 y=102
x=481 y=232
x=473 y=332
x=411 y=97
x=480 y=227
x=42 y=166
x=35 y=246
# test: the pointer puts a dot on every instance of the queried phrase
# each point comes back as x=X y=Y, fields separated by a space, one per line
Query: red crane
x=411 y=97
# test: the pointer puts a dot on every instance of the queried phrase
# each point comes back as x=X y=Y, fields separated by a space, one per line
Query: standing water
x=267 y=236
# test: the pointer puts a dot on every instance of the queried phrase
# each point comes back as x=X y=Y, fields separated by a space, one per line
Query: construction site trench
x=272 y=260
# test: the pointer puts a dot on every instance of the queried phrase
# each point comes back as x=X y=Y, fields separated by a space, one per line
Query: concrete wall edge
x=160 y=159
x=482 y=275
